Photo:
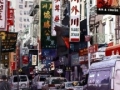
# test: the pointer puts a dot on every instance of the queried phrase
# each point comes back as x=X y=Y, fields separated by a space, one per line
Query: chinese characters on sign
x=3 y=13
x=108 y=7
x=74 y=21
x=47 y=40
x=56 y=15
x=9 y=43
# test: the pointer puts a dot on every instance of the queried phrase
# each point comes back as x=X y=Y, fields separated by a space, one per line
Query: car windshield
x=23 y=78
x=69 y=84
x=58 y=81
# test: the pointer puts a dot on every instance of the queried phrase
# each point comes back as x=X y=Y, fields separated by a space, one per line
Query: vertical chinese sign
x=48 y=41
x=10 y=16
x=3 y=14
x=74 y=21
x=56 y=20
x=108 y=7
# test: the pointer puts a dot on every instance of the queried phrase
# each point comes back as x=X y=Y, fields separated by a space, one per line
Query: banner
x=74 y=21
x=56 y=15
x=13 y=66
x=3 y=15
x=25 y=60
x=108 y=7
x=9 y=40
x=33 y=57
x=47 y=40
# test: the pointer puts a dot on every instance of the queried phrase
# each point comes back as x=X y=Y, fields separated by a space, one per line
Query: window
x=20 y=1
x=24 y=26
x=30 y=5
x=20 y=19
x=28 y=20
x=27 y=25
x=102 y=77
x=25 y=13
x=21 y=6
x=92 y=77
x=80 y=10
x=85 y=9
x=25 y=20
x=20 y=25
x=111 y=25
x=58 y=81
x=16 y=79
x=23 y=78
x=117 y=34
x=25 y=3
x=20 y=12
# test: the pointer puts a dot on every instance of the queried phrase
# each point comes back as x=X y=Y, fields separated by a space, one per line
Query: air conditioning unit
x=111 y=37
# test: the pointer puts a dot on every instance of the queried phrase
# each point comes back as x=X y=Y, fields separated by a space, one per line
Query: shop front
x=112 y=50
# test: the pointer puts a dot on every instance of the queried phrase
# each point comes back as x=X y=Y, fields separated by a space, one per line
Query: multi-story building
x=22 y=18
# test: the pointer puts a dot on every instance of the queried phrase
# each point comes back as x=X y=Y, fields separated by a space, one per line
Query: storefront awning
x=112 y=50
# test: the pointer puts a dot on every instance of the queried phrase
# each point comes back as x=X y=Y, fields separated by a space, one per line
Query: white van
x=105 y=75
x=21 y=79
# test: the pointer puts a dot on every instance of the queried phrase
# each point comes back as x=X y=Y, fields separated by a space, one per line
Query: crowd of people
x=4 y=85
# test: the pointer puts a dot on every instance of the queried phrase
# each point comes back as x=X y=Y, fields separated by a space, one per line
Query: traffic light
x=52 y=66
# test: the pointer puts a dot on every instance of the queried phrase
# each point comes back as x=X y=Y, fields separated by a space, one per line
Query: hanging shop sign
x=33 y=57
x=3 y=15
x=25 y=60
x=56 y=12
x=108 y=7
x=74 y=21
x=93 y=49
x=47 y=40
x=9 y=40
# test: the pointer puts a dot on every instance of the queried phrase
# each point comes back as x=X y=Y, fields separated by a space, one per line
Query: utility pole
x=88 y=29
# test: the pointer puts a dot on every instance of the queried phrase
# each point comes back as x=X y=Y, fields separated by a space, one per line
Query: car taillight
x=51 y=85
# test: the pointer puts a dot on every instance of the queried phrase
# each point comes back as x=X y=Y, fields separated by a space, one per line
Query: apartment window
x=20 y=1
x=25 y=13
x=27 y=25
x=28 y=20
x=25 y=3
x=20 y=12
x=21 y=6
x=20 y=19
x=30 y=5
x=24 y=19
x=117 y=34
x=24 y=26
x=20 y=25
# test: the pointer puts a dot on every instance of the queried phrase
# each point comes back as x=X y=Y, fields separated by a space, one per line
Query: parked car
x=38 y=81
x=54 y=83
x=22 y=80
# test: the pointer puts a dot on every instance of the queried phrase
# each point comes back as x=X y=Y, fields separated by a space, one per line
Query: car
x=38 y=81
x=54 y=83
x=20 y=81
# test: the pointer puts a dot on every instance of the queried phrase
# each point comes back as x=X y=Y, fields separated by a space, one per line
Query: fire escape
x=92 y=22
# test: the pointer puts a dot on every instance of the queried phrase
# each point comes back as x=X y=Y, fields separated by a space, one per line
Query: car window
x=102 y=77
x=91 y=79
x=16 y=79
x=42 y=79
x=69 y=84
x=58 y=81
x=23 y=78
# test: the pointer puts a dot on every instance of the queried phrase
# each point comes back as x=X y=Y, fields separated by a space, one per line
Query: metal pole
x=88 y=29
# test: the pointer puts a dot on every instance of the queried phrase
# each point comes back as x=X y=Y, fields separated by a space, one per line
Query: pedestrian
x=4 y=85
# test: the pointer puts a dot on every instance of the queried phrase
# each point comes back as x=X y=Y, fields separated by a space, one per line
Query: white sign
x=74 y=21
x=59 y=71
x=56 y=19
x=3 y=14
x=34 y=59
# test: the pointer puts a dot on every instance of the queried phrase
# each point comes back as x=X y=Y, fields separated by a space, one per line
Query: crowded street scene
x=59 y=44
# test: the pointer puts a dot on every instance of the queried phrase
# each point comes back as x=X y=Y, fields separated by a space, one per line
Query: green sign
x=47 y=41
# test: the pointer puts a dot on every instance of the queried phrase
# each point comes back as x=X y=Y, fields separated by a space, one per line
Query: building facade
x=22 y=18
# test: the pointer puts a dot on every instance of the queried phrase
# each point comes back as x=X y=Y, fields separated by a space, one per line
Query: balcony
x=34 y=8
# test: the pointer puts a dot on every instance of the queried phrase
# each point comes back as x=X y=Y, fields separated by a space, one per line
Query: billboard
x=47 y=40
x=74 y=35
x=108 y=7
x=3 y=14
x=56 y=18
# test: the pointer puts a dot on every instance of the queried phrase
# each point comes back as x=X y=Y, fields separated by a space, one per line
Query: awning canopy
x=112 y=50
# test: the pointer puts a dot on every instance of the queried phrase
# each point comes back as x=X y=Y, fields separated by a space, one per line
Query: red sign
x=93 y=49
x=110 y=44
x=13 y=65
x=25 y=59
x=108 y=7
